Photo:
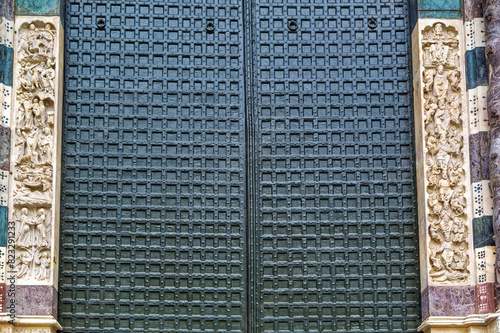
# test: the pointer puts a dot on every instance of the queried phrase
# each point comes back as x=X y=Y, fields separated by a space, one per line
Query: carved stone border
x=441 y=126
x=35 y=149
x=447 y=258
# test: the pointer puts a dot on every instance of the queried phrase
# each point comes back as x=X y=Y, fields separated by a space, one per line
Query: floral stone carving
x=33 y=149
x=444 y=157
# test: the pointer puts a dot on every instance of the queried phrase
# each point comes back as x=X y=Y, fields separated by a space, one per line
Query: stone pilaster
x=34 y=191
x=448 y=275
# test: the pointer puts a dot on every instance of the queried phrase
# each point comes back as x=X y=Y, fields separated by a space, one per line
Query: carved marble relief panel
x=444 y=133
x=33 y=149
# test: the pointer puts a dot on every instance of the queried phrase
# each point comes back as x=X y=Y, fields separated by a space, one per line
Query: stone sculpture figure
x=23 y=238
x=41 y=230
x=45 y=147
x=24 y=263
x=43 y=263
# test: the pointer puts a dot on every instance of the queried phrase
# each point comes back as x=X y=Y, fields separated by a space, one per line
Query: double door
x=238 y=166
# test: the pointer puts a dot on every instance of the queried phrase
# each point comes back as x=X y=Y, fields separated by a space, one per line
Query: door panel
x=254 y=175
x=335 y=227
x=153 y=168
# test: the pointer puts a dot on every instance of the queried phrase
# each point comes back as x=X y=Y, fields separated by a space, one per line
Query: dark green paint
x=248 y=179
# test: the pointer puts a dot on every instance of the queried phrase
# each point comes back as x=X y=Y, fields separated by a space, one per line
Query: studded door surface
x=335 y=223
x=153 y=202
x=237 y=166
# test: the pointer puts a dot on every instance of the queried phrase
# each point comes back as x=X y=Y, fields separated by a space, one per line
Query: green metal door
x=234 y=166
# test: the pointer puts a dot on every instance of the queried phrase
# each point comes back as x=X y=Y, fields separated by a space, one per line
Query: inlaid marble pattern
x=5 y=104
x=478 y=113
x=6 y=32
x=4 y=187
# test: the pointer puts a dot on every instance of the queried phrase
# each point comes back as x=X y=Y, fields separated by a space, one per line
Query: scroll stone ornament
x=444 y=156
x=33 y=174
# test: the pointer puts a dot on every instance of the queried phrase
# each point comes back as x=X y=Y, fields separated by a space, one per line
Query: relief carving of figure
x=433 y=200
x=39 y=112
x=456 y=176
x=41 y=230
x=454 y=111
x=48 y=75
x=33 y=185
x=459 y=232
x=46 y=40
x=25 y=260
x=25 y=114
x=45 y=147
x=34 y=148
x=440 y=118
x=431 y=107
x=432 y=142
x=24 y=236
x=428 y=79
x=43 y=263
x=444 y=168
x=441 y=84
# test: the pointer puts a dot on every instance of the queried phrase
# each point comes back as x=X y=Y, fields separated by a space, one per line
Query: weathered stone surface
x=472 y=9
x=6 y=57
x=7 y=9
x=36 y=300
x=38 y=7
x=4 y=148
x=448 y=301
x=483 y=231
x=479 y=150
x=492 y=24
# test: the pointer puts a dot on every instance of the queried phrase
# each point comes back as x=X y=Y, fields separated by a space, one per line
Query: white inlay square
x=5 y=104
x=469 y=35
x=478 y=199
x=3 y=256
x=474 y=114
x=481 y=265
x=490 y=255
x=487 y=198
x=484 y=124
x=4 y=187
x=6 y=32
x=479 y=32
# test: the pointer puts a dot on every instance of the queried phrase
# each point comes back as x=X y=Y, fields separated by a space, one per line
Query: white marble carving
x=444 y=155
x=33 y=149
